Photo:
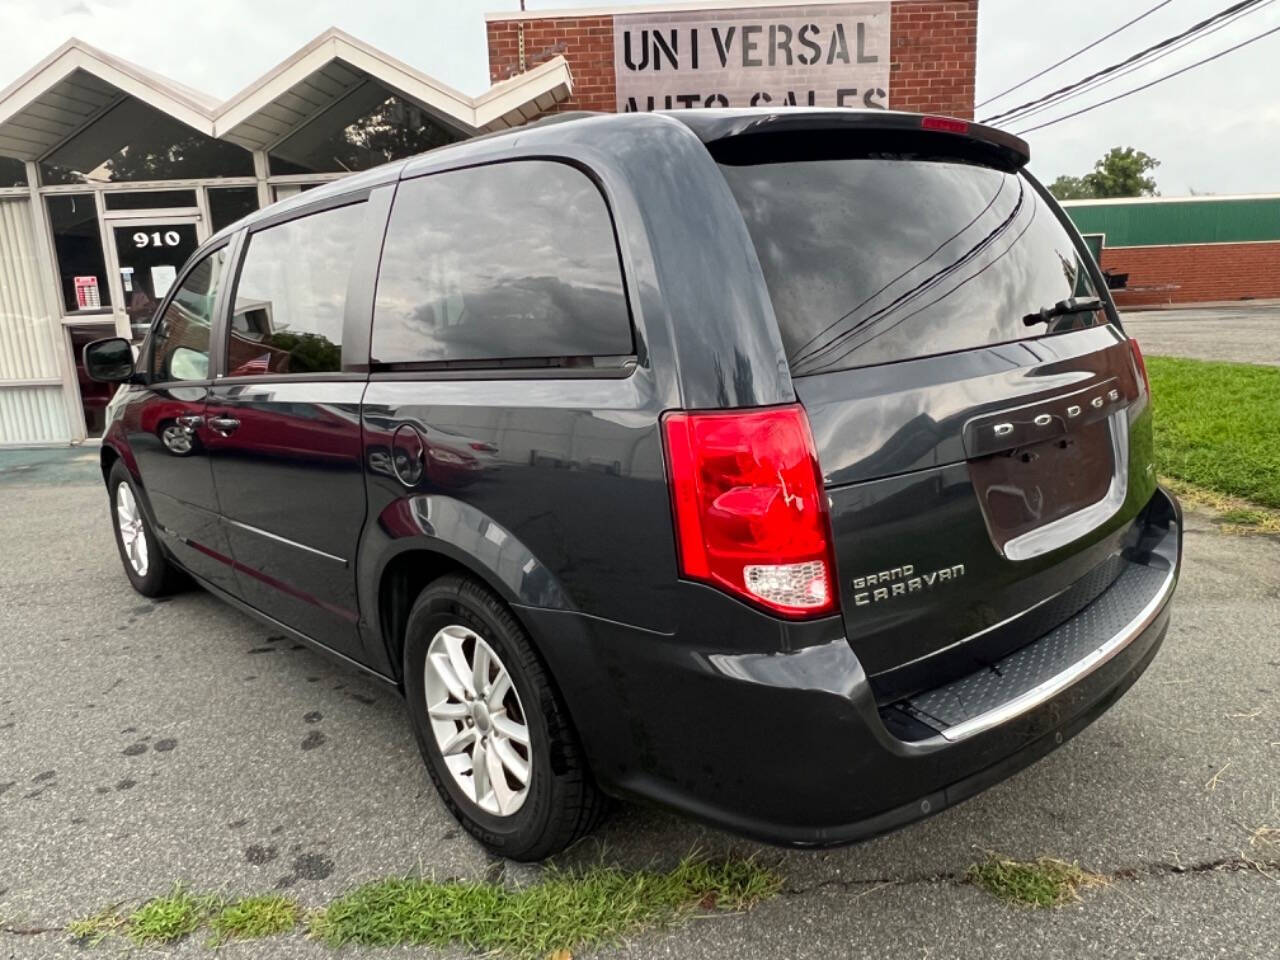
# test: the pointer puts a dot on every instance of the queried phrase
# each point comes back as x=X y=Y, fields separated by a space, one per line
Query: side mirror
x=109 y=360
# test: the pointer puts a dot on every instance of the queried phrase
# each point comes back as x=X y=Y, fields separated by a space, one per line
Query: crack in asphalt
x=1225 y=864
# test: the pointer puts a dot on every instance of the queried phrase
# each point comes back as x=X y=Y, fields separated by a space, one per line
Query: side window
x=180 y=341
x=511 y=261
x=292 y=294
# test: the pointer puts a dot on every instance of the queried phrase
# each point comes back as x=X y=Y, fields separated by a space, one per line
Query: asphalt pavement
x=1243 y=333
x=146 y=743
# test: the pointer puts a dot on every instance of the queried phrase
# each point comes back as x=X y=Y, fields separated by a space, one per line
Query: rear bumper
x=792 y=748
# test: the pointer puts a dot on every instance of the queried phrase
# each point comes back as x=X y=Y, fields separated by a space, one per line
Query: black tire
x=563 y=802
x=162 y=577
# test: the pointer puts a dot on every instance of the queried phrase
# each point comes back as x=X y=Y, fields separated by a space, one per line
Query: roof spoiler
x=952 y=135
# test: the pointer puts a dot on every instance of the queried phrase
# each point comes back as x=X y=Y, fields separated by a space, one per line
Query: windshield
x=871 y=260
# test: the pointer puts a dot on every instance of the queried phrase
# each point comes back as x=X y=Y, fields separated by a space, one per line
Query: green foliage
x=171 y=917
x=565 y=911
x=1123 y=172
x=1037 y=883
x=1070 y=188
x=252 y=917
x=1217 y=426
x=308 y=352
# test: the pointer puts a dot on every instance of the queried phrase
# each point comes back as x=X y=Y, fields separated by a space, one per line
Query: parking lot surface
x=146 y=743
x=1248 y=333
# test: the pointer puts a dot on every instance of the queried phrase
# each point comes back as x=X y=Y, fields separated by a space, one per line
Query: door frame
x=114 y=219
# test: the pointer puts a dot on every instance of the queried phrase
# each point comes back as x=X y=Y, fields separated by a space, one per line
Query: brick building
x=905 y=54
x=1185 y=249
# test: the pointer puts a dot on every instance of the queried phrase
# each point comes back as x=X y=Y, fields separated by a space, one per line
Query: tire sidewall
x=442 y=606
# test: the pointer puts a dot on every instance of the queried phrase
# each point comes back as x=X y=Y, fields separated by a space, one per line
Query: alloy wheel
x=132 y=535
x=478 y=720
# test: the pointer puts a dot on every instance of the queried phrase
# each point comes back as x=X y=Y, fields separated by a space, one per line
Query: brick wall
x=1216 y=271
x=934 y=55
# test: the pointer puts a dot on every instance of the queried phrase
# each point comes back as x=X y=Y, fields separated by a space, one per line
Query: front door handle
x=223 y=425
x=190 y=421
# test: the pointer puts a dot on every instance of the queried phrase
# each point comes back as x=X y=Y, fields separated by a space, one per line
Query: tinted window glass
x=874 y=260
x=134 y=141
x=13 y=173
x=366 y=128
x=180 y=341
x=292 y=294
x=150 y=199
x=77 y=241
x=229 y=204
x=513 y=260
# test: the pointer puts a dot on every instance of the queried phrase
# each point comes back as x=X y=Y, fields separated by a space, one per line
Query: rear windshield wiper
x=1063 y=308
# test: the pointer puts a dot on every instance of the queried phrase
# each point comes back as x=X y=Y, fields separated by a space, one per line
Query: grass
x=565 y=911
x=1217 y=427
x=1044 y=882
x=1235 y=515
x=250 y=918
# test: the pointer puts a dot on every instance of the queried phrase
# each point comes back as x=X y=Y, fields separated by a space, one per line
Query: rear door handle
x=223 y=425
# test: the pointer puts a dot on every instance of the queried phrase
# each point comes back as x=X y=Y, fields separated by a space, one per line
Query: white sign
x=162 y=277
x=823 y=55
x=170 y=238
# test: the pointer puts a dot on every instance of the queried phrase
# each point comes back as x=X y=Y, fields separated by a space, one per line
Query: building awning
x=77 y=83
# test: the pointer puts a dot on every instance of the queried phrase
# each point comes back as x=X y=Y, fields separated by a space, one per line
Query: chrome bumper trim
x=1050 y=688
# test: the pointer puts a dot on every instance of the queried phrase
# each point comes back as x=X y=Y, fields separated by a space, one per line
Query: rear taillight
x=1140 y=364
x=750 y=511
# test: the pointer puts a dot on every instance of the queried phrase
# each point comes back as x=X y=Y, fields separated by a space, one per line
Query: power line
x=1190 y=31
x=1123 y=26
x=1146 y=86
x=1103 y=81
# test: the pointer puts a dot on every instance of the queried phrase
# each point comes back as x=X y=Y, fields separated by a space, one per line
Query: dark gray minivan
x=791 y=469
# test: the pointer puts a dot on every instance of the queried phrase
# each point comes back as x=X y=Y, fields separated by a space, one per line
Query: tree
x=1121 y=173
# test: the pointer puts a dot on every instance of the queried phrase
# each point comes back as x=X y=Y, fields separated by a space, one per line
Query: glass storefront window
x=229 y=204
x=13 y=173
x=94 y=396
x=150 y=199
x=150 y=255
x=369 y=127
x=77 y=241
x=134 y=142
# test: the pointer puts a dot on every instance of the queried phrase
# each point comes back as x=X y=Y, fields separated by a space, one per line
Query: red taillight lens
x=750 y=511
x=1140 y=363
x=945 y=124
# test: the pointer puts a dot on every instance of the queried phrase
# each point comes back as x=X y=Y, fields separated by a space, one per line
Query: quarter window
x=292 y=295
x=511 y=262
x=180 y=342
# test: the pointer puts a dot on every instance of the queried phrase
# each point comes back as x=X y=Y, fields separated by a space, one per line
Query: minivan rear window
x=874 y=259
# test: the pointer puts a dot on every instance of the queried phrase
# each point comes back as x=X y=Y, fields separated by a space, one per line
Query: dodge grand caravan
x=790 y=469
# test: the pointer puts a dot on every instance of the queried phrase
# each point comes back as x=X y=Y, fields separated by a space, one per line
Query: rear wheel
x=492 y=729
x=148 y=569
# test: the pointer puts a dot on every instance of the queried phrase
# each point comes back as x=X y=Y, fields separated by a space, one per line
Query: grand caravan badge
x=899 y=582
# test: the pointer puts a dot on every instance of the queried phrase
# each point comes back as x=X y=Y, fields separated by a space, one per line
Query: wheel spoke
x=502 y=791
x=505 y=727
x=498 y=692
x=458 y=742
x=444 y=670
x=480 y=670
x=448 y=710
x=458 y=660
x=511 y=760
x=480 y=771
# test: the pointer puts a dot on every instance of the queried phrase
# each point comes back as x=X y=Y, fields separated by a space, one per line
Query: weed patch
x=252 y=917
x=1044 y=882
x=565 y=911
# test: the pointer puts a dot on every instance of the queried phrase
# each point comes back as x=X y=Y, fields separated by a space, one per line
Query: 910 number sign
x=169 y=238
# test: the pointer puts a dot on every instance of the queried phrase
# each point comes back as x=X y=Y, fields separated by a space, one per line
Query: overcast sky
x=1215 y=129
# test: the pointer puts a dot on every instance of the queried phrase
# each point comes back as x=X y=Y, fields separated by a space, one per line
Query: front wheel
x=148 y=569
x=489 y=722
